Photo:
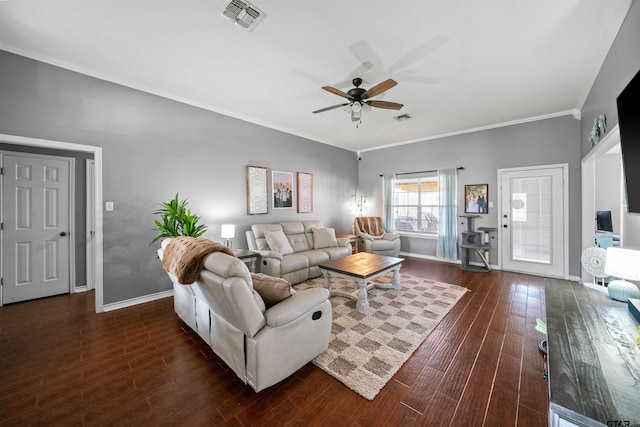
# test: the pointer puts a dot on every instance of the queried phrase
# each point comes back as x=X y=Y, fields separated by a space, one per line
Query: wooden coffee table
x=362 y=267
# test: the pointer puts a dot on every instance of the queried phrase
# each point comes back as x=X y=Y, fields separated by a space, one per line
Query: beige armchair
x=373 y=238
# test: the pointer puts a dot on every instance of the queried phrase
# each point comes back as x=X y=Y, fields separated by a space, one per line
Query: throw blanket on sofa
x=184 y=257
x=371 y=225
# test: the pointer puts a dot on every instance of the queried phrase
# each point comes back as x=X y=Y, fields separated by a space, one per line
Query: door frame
x=97 y=207
x=565 y=219
x=588 y=168
x=90 y=223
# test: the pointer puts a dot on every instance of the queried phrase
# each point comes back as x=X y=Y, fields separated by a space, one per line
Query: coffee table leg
x=327 y=280
x=362 y=305
x=396 y=279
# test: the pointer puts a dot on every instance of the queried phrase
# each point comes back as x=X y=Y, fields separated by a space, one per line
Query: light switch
x=490 y=204
x=108 y=206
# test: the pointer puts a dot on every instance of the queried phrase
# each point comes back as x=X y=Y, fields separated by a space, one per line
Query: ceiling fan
x=359 y=99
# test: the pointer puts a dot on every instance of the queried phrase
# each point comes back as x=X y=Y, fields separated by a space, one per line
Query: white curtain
x=387 y=201
x=448 y=227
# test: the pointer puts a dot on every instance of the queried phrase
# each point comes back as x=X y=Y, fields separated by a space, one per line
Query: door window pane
x=531 y=219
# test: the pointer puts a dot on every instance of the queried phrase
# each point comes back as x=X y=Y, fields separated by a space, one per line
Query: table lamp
x=227 y=232
x=622 y=264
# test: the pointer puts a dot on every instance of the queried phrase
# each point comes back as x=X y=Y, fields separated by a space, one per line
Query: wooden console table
x=593 y=358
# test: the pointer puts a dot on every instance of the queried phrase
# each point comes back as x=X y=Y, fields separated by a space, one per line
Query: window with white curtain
x=416 y=204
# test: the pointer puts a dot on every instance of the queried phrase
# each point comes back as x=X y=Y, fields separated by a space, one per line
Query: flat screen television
x=628 y=103
x=603 y=221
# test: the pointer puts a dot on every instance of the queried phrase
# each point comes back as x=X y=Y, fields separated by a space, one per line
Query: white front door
x=533 y=220
x=35 y=226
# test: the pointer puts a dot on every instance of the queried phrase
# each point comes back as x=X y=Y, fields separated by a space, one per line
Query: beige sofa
x=293 y=250
x=261 y=345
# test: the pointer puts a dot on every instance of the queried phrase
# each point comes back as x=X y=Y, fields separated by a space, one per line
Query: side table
x=352 y=238
x=249 y=257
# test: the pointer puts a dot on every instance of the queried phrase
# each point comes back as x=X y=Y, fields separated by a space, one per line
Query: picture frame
x=282 y=190
x=257 y=190
x=305 y=192
x=476 y=199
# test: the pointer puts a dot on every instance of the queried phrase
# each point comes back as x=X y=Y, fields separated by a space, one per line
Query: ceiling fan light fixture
x=359 y=102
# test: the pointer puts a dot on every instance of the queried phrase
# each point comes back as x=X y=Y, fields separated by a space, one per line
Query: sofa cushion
x=299 y=242
x=383 y=245
x=292 y=227
x=324 y=238
x=294 y=262
x=258 y=233
x=278 y=242
x=339 y=252
x=316 y=257
x=314 y=223
x=226 y=266
x=271 y=289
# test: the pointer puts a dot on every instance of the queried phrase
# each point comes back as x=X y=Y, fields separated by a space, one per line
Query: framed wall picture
x=476 y=199
x=282 y=190
x=305 y=192
x=257 y=198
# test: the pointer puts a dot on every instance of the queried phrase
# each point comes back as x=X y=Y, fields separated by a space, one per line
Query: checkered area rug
x=366 y=350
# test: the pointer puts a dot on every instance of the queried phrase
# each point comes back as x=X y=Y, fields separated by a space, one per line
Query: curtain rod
x=435 y=170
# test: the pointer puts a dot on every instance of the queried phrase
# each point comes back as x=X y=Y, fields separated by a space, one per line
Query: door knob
x=63 y=233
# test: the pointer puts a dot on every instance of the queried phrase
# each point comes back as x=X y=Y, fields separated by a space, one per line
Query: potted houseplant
x=176 y=219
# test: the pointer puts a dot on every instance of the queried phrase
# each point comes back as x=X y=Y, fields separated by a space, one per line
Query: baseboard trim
x=450 y=261
x=431 y=257
x=138 y=300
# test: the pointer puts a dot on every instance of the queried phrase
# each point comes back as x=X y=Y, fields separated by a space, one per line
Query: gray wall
x=621 y=64
x=481 y=154
x=155 y=147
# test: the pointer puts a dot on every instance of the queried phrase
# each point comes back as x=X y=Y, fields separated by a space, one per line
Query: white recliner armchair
x=373 y=238
x=261 y=345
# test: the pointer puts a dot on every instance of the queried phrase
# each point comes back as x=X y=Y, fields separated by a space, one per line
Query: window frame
x=420 y=206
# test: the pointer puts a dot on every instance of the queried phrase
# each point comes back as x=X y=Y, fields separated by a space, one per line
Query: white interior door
x=36 y=226
x=533 y=220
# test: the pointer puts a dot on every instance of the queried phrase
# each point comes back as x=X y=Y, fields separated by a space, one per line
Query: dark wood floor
x=60 y=363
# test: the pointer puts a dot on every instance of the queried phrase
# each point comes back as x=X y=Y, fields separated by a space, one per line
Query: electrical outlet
x=108 y=206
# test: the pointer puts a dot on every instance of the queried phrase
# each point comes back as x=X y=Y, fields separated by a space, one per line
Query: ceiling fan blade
x=365 y=54
x=418 y=53
x=379 y=88
x=330 y=108
x=336 y=91
x=385 y=104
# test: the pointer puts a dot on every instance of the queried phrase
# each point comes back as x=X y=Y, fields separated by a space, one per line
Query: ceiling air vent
x=402 y=117
x=242 y=13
